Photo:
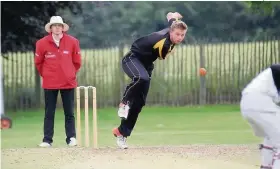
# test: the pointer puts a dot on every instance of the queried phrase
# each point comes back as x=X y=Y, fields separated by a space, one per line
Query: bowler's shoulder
x=162 y=32
x=157 y=36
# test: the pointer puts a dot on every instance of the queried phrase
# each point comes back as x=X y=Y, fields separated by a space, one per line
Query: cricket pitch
x=168 y=157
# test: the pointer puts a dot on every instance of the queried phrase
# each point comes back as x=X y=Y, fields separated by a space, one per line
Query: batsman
x=260 y=106
x=138 y=65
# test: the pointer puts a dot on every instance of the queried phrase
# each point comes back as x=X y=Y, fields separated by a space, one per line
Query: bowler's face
x=57 y=29
x=177 y=35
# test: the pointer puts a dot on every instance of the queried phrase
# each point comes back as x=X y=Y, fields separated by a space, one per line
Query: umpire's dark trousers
x=68 y=98
x=136 y=92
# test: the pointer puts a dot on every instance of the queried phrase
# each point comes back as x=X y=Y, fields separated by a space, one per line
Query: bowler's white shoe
x=123 y=111
x=45 y=144
x=73 y=142
x=121 y=142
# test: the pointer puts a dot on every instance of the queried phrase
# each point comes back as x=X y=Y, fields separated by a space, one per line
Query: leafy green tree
x=111 y=23
x=264 y=7
x=22 y=23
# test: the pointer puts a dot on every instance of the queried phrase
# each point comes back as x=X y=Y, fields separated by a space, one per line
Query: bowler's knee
x=144 y=79
x=136 y=107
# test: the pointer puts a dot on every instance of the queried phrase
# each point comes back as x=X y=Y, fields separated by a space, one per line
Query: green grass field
x=156 y=126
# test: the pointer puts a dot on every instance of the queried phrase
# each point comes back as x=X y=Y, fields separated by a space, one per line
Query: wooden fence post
x=202 y=89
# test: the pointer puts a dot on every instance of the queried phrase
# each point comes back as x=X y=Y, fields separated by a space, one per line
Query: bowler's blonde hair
x=179 y=24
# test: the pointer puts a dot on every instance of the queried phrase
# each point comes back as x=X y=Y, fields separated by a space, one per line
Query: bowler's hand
x=175 y=15
x=169 y=16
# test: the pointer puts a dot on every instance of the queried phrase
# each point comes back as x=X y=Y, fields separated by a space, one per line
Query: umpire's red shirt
x=58 y=65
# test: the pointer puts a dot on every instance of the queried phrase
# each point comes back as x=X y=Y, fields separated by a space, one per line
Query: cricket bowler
x=138 y=65
x=260 y=106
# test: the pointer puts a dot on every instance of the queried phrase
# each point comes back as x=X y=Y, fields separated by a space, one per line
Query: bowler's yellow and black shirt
x=156 y=45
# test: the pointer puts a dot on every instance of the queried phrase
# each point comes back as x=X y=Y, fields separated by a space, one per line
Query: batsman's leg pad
x=265 y=167
x=267 y=152
x=276 y=160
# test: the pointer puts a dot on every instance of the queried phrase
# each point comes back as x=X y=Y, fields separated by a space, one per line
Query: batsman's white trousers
x=263 y=115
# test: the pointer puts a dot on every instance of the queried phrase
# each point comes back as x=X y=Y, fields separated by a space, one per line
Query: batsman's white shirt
x=261 y=93
x=259 y=108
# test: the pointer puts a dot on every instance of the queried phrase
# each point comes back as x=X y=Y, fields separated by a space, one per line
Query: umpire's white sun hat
x=54 y=20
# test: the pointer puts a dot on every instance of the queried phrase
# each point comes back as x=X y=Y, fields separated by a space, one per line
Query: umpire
x=58 y=60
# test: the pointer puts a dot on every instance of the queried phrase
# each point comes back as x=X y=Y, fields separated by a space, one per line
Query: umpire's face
x=56 y=29
x=177 y=35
